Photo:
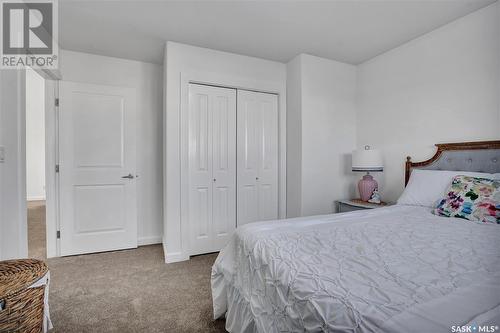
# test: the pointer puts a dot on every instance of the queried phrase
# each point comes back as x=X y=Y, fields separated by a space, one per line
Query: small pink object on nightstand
x=366 y=186
x=367 y=160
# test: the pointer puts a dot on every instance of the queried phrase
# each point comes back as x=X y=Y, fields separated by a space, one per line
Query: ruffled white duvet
x=395 y=269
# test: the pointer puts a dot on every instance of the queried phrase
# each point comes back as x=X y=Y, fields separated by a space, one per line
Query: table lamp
x=367 y=160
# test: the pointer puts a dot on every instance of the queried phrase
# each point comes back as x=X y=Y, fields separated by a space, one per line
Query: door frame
x=129 y=165
x=51 y=109
x=224 y=81
x=51 y=79
x=51 y=160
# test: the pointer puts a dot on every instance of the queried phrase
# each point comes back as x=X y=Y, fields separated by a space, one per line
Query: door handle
x=129 y=176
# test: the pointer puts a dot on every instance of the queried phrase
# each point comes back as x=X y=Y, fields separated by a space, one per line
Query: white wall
x=441 y=87
x=13 y=229
x=294 y=137
x=212 y=66
x=35 y=136
x=148 y=80
x=323 y=122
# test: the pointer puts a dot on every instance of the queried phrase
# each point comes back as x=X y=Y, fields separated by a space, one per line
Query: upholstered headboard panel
x=483 y=156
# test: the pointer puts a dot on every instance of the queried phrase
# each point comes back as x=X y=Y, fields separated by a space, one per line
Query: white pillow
x=426 y=187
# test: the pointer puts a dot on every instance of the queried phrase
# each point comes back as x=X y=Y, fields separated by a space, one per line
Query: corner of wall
x=164 y=142
x=400 y=90
x=171 y=257
x=294 y=136
x=13 y=238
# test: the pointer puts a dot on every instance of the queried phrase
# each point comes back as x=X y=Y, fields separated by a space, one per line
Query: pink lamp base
x=366 y=186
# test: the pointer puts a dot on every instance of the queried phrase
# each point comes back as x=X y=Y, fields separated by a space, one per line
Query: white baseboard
x=35 y=198
x=150 y=240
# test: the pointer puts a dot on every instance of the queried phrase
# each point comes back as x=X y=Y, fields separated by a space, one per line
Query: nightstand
x=350 y=205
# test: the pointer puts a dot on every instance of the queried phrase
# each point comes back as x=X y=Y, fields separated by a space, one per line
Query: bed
x=393 y=269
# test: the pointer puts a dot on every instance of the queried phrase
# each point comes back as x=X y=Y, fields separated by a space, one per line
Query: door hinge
x=57 y=168
x=58 y=235
x=56 y=102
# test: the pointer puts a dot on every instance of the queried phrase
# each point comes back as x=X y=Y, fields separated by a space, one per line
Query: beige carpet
x=36 y=230
x=129 y=291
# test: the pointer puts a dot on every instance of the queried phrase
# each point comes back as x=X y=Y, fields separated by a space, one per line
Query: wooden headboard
x=480 y=156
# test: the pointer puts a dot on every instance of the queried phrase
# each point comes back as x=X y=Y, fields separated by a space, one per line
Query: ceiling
x=347 y=31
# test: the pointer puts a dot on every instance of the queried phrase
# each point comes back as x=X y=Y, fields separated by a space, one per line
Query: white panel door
x=257 y=147
x=97 y=153
x=212 y=167
x=223 y=166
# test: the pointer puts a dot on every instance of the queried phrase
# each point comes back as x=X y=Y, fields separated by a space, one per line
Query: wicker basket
x=21 y=307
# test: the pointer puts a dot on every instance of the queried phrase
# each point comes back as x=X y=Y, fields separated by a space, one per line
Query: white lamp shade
x=367 y=160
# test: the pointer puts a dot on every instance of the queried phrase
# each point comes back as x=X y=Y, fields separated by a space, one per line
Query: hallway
x=36 y=230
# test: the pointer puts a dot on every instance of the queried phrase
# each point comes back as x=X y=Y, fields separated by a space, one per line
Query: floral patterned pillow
x=475 y=199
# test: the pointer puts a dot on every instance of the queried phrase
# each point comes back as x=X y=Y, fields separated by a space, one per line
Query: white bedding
x=395 y=269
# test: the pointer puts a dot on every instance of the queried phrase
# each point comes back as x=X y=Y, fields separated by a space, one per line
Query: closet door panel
x=199 y=134
x=200 y=169
x=212 y=167
x=248 y=142
x=202 y=203
x=257 y=156
x=224 y=219
x=248 y=204
x=267 y=206
x=224 y=166
x=268 y=160
x=248 y=136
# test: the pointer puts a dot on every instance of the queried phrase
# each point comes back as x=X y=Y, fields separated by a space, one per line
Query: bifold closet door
x=257 y=160
x=212 y=167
